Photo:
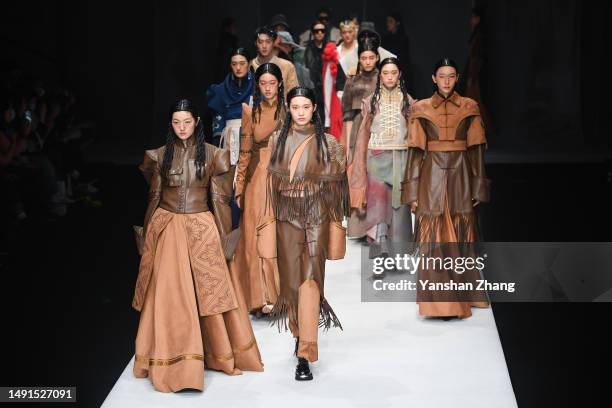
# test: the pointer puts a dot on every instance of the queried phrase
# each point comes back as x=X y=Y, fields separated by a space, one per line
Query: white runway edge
x=386 y=357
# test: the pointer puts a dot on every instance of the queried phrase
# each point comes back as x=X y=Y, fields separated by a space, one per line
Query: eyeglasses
x=318 y=30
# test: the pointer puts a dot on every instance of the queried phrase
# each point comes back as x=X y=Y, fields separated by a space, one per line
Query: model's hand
x=413 y=206
x=238 y=201
x=475 y=202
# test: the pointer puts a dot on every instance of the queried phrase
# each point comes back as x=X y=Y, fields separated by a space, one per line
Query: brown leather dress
x=191 y=315
x=445 y=175
x=258 y=276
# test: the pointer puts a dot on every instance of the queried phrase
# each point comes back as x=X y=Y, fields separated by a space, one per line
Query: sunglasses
x=318 y=30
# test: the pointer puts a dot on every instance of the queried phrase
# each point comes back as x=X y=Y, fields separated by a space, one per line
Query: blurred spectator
x=40 y=149
x=228 y=42
x=279 y=23
x=293 y=52
x=323 y=15
x=313 y=59
x=396 y=41
x=472 y=82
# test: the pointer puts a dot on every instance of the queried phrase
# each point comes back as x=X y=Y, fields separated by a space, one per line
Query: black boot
x=302 y=371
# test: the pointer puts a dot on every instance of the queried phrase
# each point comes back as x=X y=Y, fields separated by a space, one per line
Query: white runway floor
x=386 y=357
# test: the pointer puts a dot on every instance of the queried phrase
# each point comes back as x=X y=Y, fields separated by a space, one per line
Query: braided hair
x=273 y=69
x=322 y=147
x=184 y=105
x=376 y=96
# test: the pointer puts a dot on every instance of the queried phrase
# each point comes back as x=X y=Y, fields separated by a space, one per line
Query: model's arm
x=221 y=189
x=358 y=176
x=479 y=183
x=151 y=171
x=416 y=151
x=246 y=146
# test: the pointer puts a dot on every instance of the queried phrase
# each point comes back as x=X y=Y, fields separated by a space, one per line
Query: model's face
x=268 y=86
x=239 y=65
x=301 y=109
x=264 y=45
x=445 y=79
x=184 y=124
x=318 y=32
x=368 y=60
x=392 y=24
x=348 y=34
x=389 y=76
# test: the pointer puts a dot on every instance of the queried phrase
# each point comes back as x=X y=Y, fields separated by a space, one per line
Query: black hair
x=323 y=9
x=184 y=105
x=444 y=62
x=268 y=68
x=367 y=43
x=241 y=51
x=267 y=30
x=396 y=15
x=317 y=22
x=376 y=96
x=322 y=147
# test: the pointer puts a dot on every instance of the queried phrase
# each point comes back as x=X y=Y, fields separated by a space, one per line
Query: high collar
x=437 y=99
x=369 y=74
x=306 y=130
x=186 y=143
x=386 y=92
x=260 y=60
x=266 y=106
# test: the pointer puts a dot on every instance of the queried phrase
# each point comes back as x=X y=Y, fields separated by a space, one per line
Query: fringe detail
x=309 y=199
x=430 y=228
x=433 y=238
x=285 y=310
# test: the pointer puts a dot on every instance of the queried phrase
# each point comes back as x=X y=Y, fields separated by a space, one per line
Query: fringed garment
x=306 y=195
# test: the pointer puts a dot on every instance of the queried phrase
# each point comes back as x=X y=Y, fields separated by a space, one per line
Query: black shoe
x=302 y=371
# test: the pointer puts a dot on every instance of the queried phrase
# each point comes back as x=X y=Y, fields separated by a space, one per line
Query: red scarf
x=330 y=57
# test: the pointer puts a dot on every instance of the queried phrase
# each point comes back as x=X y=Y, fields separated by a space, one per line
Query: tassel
x=285 y=310
x=308 y=200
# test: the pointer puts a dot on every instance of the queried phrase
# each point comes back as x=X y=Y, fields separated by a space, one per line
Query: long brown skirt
x=258 y=277
x=174 y=343
x=447 y=229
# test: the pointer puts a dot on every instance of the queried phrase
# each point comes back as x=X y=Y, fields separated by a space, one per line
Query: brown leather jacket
x=445 y=156
x=182 y=192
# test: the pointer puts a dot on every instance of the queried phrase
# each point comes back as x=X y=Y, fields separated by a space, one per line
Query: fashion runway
x=386 y=357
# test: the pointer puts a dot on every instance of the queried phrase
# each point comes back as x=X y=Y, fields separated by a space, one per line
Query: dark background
x=68 y=284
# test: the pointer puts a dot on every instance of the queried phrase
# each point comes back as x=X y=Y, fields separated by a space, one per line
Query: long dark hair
x=322 y=147
x=184 y=105
x=268 y=68
x=376 y=97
